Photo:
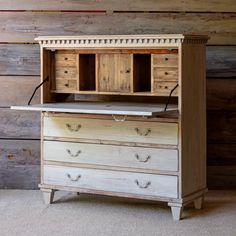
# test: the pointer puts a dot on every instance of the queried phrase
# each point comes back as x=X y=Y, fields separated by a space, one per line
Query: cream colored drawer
x=111 y=155
x=112 y=181
x=127 y=131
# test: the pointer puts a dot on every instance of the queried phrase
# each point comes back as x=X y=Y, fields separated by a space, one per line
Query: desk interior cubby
x=135 y=72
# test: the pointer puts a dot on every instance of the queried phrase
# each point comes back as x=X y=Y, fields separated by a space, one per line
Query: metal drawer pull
x=74 y=128
x=73 y=155
x=118 y=119
x=144 y=159
x=144 y=185
x=73 y=179
x=146 y=133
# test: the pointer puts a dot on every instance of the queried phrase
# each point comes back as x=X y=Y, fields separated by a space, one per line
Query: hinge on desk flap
x=168 y=100
x=47 y=78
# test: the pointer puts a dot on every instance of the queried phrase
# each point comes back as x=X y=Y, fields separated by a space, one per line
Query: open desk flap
x=128 y=109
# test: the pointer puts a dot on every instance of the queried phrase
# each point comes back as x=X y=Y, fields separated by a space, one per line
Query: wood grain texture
x=16 y=90
x=220 y=27
x=221 y=127
x=18 y=124
x=19 y=164
x=193 y=121
x=19 y=59
x=221 y=61
x=221 y=94
x=221 y=177
x=221 y=154
x=122 y=5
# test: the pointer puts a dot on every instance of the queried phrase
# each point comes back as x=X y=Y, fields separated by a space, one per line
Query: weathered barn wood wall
x=23 y=20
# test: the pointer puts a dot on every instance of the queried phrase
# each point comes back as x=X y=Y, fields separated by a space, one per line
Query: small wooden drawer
x=112 y=155
x=65 y=59
x=165 y=74
x=112 y=181
x=66 y=73
x=165 y=60
x=65 y=84
x=164 y=88
x=98 y=129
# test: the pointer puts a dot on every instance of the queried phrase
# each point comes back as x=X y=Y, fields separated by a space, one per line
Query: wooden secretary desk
x=124 y=115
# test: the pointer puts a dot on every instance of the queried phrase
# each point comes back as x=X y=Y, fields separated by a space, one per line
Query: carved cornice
x=97 y=41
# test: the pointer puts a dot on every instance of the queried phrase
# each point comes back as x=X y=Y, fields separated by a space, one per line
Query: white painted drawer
x=112 y=181
x=127 y=131
x=111 y=155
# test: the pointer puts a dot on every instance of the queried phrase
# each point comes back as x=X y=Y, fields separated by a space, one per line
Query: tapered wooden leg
x=198 y=203
x=176 y=210
x=48 y=195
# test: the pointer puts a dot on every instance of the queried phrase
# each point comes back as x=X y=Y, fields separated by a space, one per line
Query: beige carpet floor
x=22 y=212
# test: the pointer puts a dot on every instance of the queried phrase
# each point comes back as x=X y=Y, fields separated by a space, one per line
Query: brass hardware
x=144 y=159
x=118 y=119
x=144 y=185
x=73 y=155
x=73 y=179
x=75 y=128
x=146 y=133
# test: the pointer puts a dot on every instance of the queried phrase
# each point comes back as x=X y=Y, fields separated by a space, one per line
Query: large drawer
x=112 y=181
x=127 y=131
x=112 y=155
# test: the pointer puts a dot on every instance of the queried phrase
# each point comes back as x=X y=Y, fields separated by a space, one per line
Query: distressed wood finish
x=19 y=164
x=193 y=119
x=158 y=133
x=134 y=183
x=113 y=5
x=70 y=24
x=19 y=59
x=19 y=124
x=16 y=90
x=109 y=155
x=111 y=146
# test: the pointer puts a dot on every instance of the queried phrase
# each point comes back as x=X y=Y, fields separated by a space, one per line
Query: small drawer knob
x=66 y=58
x=166 y=59
x=66 y=72
x=166 y=73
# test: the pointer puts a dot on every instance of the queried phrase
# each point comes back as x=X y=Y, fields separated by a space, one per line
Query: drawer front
x=66 y=73
x=165 y=74
x=164 y=88
x=112 y=181
x=65 y=59
x=65 y=84
x=165 y=60
x=127 y=131
x=111 y=155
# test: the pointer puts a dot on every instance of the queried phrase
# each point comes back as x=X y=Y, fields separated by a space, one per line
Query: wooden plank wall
x=23 y=20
